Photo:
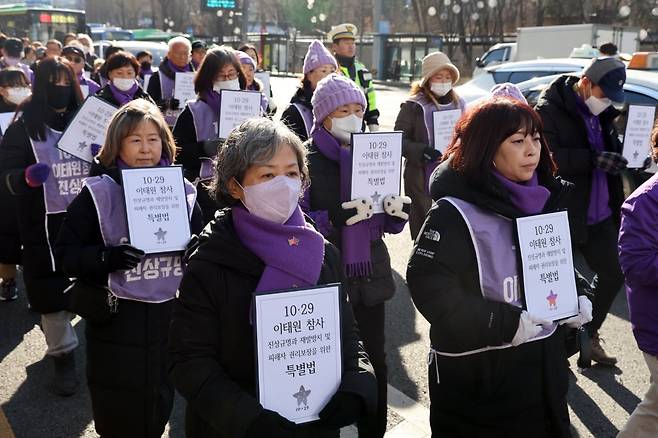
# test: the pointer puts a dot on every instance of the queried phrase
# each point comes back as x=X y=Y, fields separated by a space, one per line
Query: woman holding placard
x=318 y=64
x=44 y=181
x=14 y=88
x=260 y=243
x=338 y=108
x=126 y=359
x=197 y=128
x=495 y=369
x=122 y=71
x=434 y=92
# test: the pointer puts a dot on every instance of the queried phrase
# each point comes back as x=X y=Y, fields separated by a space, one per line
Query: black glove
x=610 y=162
x=271 y=425
x=121 y=258
x=210 y=147
x=343 y=409
x=430 y=154
x=174 y=104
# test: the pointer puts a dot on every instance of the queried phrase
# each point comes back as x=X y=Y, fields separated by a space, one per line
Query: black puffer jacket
x=500 y=392
x=126 y=358
x=211 y=341
x=292 y=117
x=10 y=245
x=325 y=197
x=155 y=91
x=44 y=285
x=566 y=135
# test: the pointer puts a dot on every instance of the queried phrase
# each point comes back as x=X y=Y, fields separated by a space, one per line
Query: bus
x=40 y=23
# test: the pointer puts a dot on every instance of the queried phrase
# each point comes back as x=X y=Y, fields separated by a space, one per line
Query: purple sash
x=157 y=276
x=167 y=87
x=428 y=109
x=205 y=120
x=496 y=253
x=307 y=117
x=67 y=173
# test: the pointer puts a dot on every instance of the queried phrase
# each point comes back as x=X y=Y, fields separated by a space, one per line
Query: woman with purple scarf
x=338 y=108
x=122 y=71
x=494 y=369
x=259 y=242
x=131 y=394
x=196 y=129
x=434 y=92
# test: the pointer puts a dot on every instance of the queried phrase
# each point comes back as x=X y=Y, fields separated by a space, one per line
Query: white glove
x=529 y=327
x=373 y=127
x=363 y=210
x=393 y=206
x=584 y=314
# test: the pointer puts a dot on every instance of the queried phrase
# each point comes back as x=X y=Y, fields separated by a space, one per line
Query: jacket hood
x=445 y=181
x=561 y=94
x=219 y=244
x=303 y=96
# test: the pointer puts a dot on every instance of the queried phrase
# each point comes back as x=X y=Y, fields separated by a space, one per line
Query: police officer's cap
x=343 y=31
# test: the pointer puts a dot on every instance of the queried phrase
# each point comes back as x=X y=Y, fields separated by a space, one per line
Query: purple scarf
x=212 y=98
x=293 y=252
x=355 y=239
x=123 y=97
x=178 y=69
x=122 y=164
x=529 y=197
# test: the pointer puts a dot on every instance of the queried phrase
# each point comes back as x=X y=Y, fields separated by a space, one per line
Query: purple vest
x=497 y=259
x=157 y=276
x=167 y=87
x=205 y=120
x=67 y=173
x=307 y=117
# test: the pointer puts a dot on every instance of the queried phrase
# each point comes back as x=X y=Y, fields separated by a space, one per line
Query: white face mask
x=343 y=127
x=597 y=105
x=440 y=88
x=123 y=84
x=226 y=85
x=274 y=200
x=18 y=94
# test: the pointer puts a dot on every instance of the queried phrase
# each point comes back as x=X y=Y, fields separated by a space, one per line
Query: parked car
x=159 y=50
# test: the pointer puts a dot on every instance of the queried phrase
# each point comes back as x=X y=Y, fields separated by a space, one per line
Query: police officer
x=344 y=48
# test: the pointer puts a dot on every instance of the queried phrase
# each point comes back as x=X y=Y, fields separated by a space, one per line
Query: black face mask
x=146 y=65
x=59 y=96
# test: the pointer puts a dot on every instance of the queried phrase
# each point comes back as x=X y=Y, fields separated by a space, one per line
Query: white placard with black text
x=298 y=348
x=444 y=125
x=548 y=276
x=637 y=137
x=376 y=166
x=5 y=121
x=264 y=77
x=88 y=126
x=236 y=107
x=156 y=208
x=184 y=87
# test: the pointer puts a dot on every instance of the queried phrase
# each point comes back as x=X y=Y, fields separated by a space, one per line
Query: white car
x=516 y=72
x=158 y=50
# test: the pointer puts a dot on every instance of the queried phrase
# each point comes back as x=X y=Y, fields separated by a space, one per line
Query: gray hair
x=254 y=142
x=180 y=40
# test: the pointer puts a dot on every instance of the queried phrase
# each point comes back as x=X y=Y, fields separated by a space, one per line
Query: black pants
x=371 y=328
x=600 y=253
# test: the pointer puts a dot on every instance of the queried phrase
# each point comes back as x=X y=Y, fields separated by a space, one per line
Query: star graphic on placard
x=160 y=234
x=82 y=145
x=552 y=300
x=293 y=241
x=635 y=155
x=375 y=198
x=302 y=396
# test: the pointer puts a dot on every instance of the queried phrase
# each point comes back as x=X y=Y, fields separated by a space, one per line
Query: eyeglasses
x=229 y=77
x=75 y=59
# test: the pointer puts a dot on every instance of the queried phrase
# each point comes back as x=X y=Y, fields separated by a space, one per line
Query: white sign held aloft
x=236 y=107
x=376 y=166
x=184 y=87
x=88 y=126
x=156 y=208
x=548 y=275
x=264 y=77
x=444 y=125
x=298 y=347
x=637 y=138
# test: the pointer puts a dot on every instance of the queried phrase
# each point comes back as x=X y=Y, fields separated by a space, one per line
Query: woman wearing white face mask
x=196 y=129
x=122 y=71
x=338 y=106
x=14 y=89
x=260 y=243
x=432 y=93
